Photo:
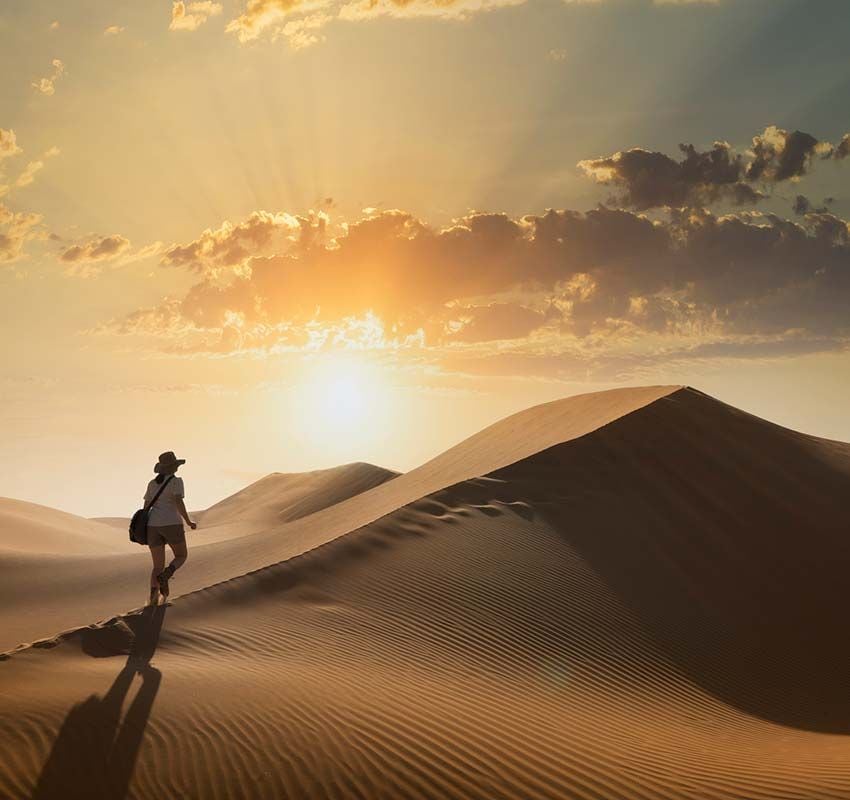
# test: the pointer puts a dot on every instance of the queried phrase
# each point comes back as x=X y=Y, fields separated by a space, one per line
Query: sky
x=274 y=235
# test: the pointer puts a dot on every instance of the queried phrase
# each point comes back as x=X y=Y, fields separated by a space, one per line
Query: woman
x=165 y=525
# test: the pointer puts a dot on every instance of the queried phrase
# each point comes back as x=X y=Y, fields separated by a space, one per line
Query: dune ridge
x=121 y=582
x=651 y=609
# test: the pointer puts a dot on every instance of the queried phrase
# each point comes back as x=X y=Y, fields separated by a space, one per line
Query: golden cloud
x=17 y=228
x=29 y=172
x=190 y=16
x=228 y=247
x=391 y=281
x=47 y=85
x=298 y=21
x=8 y=144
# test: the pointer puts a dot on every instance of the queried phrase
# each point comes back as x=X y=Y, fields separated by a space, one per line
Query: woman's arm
x=181 y=507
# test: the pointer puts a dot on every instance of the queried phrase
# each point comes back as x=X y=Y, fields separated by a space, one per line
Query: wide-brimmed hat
x=168 y=462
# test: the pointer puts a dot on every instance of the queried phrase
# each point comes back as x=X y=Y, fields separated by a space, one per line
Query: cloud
x=650 y=179
x=299 y=22
x=260 y=15
x=228 y=247
x=280 y=18
x=303 y=32
x=89 y=258
x=102 y=248
x=29 y=172
x=781 y=156
x=557 y=283
x=444 y=9
x=113 y=30
x=802 y=205
x=17 y=228
x=8 y=144
x=190 y=16
x=47 y=85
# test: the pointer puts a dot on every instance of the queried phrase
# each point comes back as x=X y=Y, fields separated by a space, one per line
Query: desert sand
x=638 y=593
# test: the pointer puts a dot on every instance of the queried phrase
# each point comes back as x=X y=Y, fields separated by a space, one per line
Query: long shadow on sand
x=95 y=752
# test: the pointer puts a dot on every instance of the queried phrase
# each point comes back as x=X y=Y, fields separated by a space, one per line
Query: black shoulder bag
x=139 y=523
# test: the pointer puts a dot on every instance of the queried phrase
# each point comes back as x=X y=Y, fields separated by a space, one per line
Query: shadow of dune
x=727 y=537
x=95 y=751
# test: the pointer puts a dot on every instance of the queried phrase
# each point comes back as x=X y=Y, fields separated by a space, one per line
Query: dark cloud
x=733 y=263
x=802 y=205
x=780 y=155
x=654 y=180
x=98 y=249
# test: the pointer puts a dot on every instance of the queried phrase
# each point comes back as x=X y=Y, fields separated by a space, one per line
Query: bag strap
x=156 y=496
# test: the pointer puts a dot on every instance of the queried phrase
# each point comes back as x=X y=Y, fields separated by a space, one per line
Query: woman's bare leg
x=181 y=553
x=158 y=557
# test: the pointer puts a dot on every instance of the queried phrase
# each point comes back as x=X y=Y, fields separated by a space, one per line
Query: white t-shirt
x=164 y=510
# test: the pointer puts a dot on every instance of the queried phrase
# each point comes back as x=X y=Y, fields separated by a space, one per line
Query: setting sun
x=340 y=391
x=341 y=398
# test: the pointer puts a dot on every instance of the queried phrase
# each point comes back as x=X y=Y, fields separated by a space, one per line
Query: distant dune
x=632 y=594
x=31 y=528
x=285 y=497
x=278 y=498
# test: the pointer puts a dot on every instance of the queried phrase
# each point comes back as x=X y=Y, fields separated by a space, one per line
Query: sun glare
x=339 y=393
x=341 y=401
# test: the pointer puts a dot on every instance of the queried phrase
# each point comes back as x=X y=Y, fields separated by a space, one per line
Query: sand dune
x=122 y=583
x=285 y=497
x=640 y=595
x=31 y=528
